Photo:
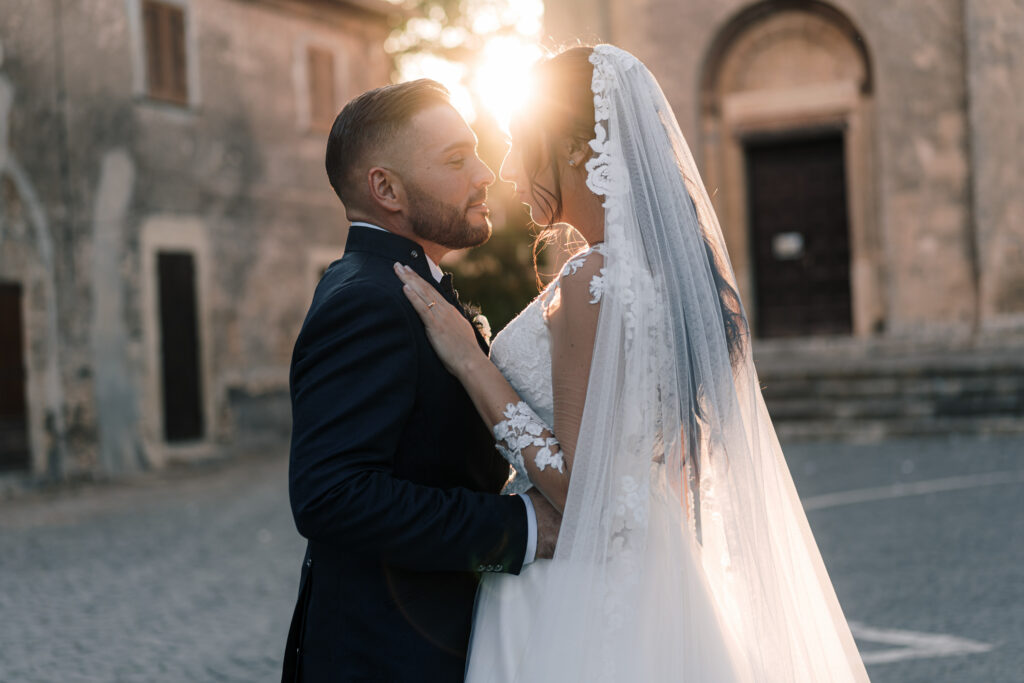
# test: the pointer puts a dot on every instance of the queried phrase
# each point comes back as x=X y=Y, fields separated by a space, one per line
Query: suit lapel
x=396 y=248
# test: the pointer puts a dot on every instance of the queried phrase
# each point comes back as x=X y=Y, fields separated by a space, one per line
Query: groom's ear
x=386 y=189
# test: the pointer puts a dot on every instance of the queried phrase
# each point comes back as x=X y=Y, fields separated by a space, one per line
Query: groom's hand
x=548 y=522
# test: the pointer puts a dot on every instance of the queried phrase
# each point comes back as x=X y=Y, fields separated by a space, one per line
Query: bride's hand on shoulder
x=449 y=332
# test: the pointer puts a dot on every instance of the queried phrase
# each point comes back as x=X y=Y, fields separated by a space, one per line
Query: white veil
x=684 y=553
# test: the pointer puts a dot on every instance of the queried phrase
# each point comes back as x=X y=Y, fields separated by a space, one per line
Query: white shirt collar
x=435 y=270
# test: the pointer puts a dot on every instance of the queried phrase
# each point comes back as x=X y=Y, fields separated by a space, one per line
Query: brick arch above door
x=793 y=70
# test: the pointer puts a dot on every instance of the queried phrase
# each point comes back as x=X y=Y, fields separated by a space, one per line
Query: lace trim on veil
x=607 y=176
x=604 y=171
x=625 y=273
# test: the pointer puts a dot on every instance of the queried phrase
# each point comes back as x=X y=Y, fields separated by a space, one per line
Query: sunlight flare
x=501 y=80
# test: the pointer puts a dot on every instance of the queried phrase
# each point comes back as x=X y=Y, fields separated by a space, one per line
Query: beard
x=445 y=224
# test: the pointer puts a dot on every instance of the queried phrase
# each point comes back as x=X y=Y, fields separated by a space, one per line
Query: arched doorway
x=33 y=436
x=786 y=109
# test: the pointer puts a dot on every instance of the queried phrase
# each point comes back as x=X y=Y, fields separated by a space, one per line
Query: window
x=166 y=67
x=322 y=101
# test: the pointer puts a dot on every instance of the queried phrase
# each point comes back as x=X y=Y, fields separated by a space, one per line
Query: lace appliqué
x=575 y=263
x=550 y=295
x=605 y=171
x=578 y=261
x=626 y=275
x=521 y=429
x=625 y=285
x=597 y=287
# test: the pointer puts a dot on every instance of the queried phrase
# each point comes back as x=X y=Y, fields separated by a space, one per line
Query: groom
x=394 y=478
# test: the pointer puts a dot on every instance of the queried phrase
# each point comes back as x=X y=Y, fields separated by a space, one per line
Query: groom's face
x=445 y=181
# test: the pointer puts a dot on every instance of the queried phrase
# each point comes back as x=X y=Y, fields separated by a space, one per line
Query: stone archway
x=778 y=77
x=27 y=263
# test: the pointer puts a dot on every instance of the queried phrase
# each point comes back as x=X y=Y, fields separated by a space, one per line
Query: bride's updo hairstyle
x=561 y=109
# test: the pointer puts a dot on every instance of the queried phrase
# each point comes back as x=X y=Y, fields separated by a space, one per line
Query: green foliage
x=455 y=30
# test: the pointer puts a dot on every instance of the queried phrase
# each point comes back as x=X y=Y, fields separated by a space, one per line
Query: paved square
x=191 y=575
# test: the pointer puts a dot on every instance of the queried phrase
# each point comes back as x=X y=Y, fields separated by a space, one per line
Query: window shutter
x=151 y=18
x=166 y=62
x=176 y=54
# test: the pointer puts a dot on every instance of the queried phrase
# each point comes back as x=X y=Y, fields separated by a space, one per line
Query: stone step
x=879 y=385
x=846 y=393
x=873 y=431
x=894 y=406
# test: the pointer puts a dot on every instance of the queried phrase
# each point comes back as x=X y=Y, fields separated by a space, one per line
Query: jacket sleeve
x=353 y=388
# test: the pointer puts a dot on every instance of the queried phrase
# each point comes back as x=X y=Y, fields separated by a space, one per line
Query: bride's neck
x=588 y=219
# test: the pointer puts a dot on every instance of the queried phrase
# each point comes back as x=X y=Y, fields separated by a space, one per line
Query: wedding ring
x=431 y=304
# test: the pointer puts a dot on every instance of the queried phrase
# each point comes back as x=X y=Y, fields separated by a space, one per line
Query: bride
x=626 y=393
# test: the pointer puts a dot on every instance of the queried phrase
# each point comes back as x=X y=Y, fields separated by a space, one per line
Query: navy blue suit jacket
x=393 y=480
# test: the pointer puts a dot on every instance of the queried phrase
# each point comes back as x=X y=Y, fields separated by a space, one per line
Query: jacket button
x=309 y=562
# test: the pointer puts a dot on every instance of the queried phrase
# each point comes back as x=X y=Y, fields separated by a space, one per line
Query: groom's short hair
x=368 y=122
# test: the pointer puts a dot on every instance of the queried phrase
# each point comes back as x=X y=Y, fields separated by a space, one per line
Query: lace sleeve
x=523 y=429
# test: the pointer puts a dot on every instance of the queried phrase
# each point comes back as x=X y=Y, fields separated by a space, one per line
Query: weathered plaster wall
x=30 y=247
x=115 y=359
x=87 y=162
x=921 y=147
x=995 y=59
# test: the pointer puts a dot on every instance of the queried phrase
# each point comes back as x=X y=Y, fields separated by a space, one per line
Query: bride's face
x=531 y=188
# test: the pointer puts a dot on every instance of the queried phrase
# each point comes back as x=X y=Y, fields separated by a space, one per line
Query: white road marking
x=913 y=645
x=916 y=488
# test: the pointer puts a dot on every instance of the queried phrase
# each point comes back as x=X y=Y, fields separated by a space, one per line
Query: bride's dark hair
x=562 y=109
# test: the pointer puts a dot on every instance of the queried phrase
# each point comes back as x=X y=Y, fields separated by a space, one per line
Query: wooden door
x=800 y=236
x=179 y=346
x=14 y=451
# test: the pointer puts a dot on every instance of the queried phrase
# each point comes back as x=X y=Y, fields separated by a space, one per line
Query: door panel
x=800 y=236
x=180 y=353
x=14 y=450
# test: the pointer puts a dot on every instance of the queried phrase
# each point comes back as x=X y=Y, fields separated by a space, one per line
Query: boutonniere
x=483 y=326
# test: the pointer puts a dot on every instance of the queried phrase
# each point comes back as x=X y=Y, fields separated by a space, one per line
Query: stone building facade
x=866 y=157
x=164 y=218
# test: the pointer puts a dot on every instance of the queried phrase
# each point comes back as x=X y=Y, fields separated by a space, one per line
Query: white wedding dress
x=507 y=605
x=684 y=554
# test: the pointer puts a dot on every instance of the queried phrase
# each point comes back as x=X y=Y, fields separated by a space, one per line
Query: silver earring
x=572 y=162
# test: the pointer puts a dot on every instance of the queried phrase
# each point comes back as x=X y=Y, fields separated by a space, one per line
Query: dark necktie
x=452 y=296
x=446 y=287
x=448 y=291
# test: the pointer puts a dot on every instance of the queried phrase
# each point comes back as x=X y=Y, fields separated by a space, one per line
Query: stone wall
x=942 y=162
x=96 y=176
x=995 y=67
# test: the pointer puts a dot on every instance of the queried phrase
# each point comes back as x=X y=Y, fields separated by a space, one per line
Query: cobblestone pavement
x=172 y=578
x=191 y=575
